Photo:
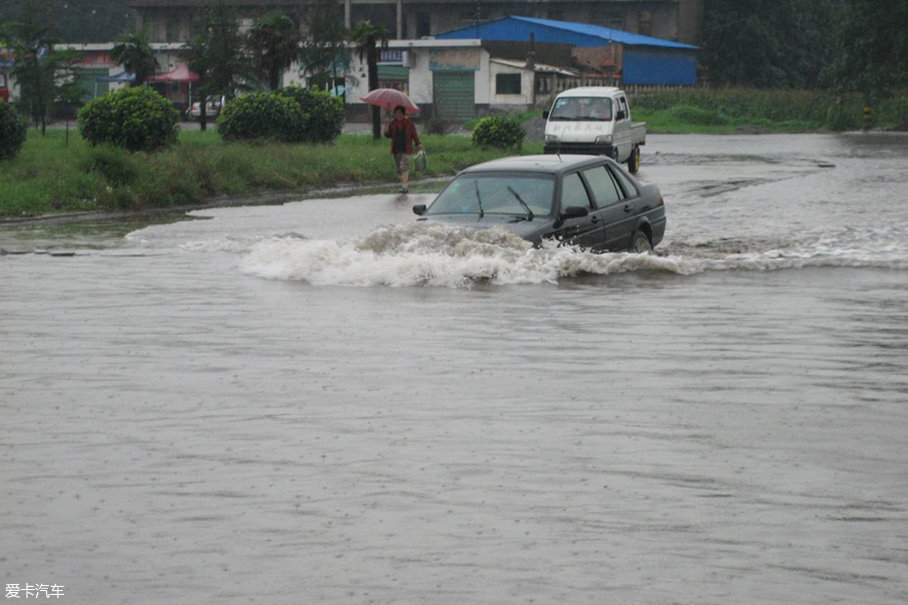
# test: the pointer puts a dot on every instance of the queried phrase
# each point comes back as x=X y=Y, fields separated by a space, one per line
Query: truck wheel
x=633 y=162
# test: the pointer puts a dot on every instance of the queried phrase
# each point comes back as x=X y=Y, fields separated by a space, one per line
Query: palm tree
x=134 y=53
x=274 y=41
x=370 y=39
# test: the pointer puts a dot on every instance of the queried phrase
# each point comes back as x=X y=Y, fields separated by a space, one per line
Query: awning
x=123 y=76
x=181 y=73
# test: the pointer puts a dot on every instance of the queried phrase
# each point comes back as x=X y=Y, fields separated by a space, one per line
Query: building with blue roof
x=644 y=60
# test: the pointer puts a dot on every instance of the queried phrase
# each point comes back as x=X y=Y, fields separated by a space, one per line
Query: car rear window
x=629 y=189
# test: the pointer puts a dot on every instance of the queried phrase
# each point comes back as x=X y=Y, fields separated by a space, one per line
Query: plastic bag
x=419 y=162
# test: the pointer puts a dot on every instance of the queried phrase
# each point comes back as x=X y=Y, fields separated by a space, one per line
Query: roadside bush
x=320 y=117
x=259 y=116
x=697 y=116
x=12 y=131
x=116 y=167
x=499 y=132
x=138 y=119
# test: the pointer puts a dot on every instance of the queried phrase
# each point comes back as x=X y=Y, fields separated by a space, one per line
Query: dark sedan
x=578 y=199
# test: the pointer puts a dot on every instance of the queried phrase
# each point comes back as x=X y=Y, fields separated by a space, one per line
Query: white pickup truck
x=594 y=120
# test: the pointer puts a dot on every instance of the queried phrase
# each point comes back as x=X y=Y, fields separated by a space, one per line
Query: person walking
x=402 y=132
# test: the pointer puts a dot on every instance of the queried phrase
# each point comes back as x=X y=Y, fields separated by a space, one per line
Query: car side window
x=573 y=192
x=605 y=190
x=622 y=106
x=629 y=189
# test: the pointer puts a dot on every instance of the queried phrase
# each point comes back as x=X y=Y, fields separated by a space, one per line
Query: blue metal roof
x=512 y=28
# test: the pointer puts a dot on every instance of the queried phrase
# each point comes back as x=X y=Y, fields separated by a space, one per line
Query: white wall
x=526 y=86
x=420 y=76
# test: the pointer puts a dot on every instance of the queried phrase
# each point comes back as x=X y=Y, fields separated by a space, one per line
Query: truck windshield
x=497 y=194
x=582 y=109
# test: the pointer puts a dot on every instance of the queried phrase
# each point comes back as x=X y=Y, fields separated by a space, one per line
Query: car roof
x=590 y=91
x=554 y=164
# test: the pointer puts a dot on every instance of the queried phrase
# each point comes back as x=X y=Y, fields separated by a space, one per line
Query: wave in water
x=427 y=254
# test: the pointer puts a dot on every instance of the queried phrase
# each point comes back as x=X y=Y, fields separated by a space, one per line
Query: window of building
x=423 y=25
x=507 y=84
x=172 y=30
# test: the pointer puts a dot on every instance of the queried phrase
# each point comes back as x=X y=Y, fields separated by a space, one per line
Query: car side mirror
x=419 y=209
x=575 y=212
x=545 y=114
x=620 y=115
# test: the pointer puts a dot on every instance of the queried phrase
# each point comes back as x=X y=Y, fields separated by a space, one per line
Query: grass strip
x=61 y=173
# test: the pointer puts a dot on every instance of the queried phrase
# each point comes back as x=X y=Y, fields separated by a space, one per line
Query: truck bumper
x=580 y=148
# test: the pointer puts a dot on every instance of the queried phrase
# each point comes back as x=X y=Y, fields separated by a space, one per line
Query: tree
x=274 y=43
x=39 y=69
x=872 y=38
x=324 y=51
x=370 y=39
x=79 y=20
x=215 y=53
x=767 y=44
x=135 y=54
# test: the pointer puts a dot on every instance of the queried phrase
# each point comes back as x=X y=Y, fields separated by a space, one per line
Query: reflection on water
x=723 y=422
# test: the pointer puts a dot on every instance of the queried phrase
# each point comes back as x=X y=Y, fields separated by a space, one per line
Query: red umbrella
x=390 y=98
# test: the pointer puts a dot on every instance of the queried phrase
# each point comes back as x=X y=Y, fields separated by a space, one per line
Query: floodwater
x=319 y=402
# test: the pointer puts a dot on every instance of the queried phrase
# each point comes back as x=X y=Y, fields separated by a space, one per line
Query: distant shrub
x=841 y=117
x=138 y=119
x=12 y=131
x=259 y=116
x=697 y=115
x=803 y=109
x=498 y=131
x=320 y=116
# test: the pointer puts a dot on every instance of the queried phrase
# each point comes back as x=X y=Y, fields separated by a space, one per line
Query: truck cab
x=594 y=120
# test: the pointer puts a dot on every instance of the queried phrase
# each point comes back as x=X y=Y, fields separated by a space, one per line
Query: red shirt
x=407 y=128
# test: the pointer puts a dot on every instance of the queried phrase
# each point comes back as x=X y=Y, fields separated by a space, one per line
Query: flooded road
x=321 y=402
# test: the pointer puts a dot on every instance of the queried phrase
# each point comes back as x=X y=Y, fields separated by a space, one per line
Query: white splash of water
x=431 y=254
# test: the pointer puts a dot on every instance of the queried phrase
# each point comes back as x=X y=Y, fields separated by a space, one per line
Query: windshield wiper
x=522 y=203
x=479 y=199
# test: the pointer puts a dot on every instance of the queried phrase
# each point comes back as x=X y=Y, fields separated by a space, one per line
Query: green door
x=454 y=95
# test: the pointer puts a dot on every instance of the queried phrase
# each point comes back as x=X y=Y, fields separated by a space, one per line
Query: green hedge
x=499 y=132
x=138 y=119
x=320 y=116
x=290 y=115
x=259 y=116
x=13 y=129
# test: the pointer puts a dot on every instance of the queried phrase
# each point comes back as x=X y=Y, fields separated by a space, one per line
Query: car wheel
x=641 y=244
x=633 y=162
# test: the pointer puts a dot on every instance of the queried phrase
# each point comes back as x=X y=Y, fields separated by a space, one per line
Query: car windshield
x=523 y=195
x=582 y=109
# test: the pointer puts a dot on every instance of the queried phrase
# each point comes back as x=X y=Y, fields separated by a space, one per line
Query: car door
x=616 y=217
x=632 y=205
x=585 y=231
